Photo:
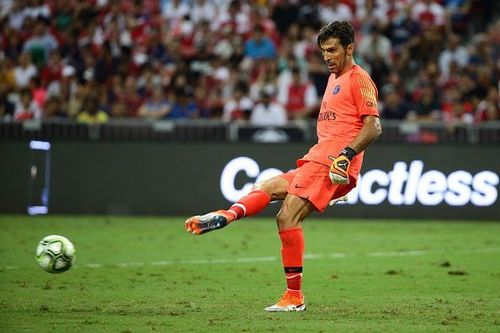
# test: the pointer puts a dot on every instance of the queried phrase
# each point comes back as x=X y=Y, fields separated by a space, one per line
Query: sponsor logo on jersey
x=327 y=115
x=336 y=89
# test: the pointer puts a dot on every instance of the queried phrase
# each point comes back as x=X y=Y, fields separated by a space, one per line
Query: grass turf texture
x=152 y=276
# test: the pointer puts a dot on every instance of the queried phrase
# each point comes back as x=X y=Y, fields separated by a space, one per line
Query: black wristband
x=348 y=152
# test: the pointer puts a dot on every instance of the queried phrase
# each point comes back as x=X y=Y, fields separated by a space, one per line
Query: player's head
x=336 y=42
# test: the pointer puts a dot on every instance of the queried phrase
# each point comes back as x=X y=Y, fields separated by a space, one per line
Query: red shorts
x=311 y=181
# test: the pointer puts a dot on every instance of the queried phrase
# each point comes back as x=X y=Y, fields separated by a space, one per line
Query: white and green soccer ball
x=55 y=254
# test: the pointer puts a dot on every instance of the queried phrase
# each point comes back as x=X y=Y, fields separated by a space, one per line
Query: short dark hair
x=341 y=30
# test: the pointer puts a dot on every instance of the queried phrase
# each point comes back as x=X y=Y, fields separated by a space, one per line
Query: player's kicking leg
x=200 y=224
x=251 y=204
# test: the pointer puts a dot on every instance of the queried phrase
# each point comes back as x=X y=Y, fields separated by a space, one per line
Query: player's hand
x=339 y=170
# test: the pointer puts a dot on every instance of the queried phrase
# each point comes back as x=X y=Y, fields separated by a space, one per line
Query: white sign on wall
x=406 y=184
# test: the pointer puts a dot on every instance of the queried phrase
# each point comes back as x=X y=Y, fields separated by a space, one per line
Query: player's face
x=335 y=55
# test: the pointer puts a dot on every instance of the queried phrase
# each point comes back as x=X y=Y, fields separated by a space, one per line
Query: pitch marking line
x=308 y=256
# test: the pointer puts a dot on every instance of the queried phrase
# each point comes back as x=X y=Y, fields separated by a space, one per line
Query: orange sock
x=250 y=204
x=292 y=254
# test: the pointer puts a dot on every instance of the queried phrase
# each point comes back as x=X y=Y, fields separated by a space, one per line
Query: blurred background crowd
x=249 y=61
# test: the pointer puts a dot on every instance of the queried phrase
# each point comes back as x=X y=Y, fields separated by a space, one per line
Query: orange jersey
x=346 y=101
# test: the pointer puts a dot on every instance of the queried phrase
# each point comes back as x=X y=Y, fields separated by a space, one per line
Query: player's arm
x=370 y=131
x=365 y=95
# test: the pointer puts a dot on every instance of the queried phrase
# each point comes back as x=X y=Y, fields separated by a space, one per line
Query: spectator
x=267 y=112
x=38 y=9
x=7 y=107
x=403 y=31
x=11 y=41
x=40 y=44
x=427 y=107
x=457 y=115
x=203 y=11
x=62 y=17
x=224 y=45
x=209 y=101
x=234 y=17
x=298 y=96
x=155 y=107
x=284 y=14
x=376 y=51
x=457 y=13
x=240 y=106
x=369 y=15
x=306 y=44
x=7 y=74
x=309 y=13
x=54 y=108
x=483 y=80
x=489 y=108
x=105 y=65
x=52 y=73
x=259 y=16
x=425 y=49
x=482 y=54
x=456 y=110
x=174 y=10
x=91 y=113
x=131 y=97
x=393 y=106
x=465 y=88
x=26 y=107
x=266 y=81
x=24 y=71
x=203 y=46
x=480 y=14
x=38 y=92
x=260 y=46
x=454 y=52
x=429 y=13
x=334 y=10
x=17 y=15
x=75 y=98
x=316 y=71
x=219 y=71
x=184 y=106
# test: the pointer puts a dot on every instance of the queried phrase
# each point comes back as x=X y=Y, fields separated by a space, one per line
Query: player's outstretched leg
x=201 y=224
x=251 y=204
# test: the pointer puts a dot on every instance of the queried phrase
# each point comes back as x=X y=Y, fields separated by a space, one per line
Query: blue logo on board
x=336 y=90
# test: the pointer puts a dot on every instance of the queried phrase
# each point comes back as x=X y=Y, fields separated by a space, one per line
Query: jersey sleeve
x=364 y=94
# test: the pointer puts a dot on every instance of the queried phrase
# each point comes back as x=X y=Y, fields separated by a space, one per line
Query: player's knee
x=262 y=186
x=286 y=221
x=274 y=187
x=280 y=219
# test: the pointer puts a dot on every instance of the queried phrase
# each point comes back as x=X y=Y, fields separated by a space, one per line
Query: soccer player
x=348 y=122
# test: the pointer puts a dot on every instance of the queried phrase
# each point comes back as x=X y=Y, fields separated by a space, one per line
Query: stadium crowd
x=250 y=61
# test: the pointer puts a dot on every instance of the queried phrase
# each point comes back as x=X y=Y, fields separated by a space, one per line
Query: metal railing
x=214 y=130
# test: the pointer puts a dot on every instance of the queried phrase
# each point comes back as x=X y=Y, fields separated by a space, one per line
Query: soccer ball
x=55 y=254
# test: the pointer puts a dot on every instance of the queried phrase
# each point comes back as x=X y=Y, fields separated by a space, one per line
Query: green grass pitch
x=137 y=274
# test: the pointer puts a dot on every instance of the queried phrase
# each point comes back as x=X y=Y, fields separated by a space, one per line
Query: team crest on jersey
x=336 y=89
